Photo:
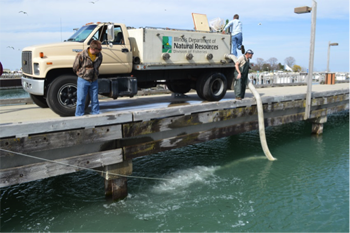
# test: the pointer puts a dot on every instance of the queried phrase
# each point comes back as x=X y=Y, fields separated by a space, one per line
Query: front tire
x=39 y=100
x=62 y=95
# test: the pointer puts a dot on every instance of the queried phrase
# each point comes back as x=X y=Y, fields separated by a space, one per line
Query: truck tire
x=62 y=95
x=213 y=87
x=39 y=100
x=179 y=87
x=199 y=87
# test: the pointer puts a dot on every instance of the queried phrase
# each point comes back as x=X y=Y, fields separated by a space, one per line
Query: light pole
x=329 y=50
x=301 y=10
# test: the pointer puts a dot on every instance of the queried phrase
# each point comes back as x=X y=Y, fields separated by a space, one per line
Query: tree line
x=272 y=64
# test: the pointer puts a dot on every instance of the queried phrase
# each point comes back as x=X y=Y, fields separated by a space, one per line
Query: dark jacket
x=85 y=68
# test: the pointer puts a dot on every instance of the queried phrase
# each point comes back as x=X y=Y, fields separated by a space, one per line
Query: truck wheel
x=62 y=95
x=179 y=87
x=199 y=88
x=39 y=100
x=214 y=86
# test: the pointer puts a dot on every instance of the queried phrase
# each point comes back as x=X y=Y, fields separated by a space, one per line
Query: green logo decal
x=167 y=44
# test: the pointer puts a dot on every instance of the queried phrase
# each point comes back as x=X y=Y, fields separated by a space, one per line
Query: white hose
x=260 y=114
x=261 y=122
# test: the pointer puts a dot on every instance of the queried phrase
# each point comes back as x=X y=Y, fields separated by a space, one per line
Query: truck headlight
x=36 y=69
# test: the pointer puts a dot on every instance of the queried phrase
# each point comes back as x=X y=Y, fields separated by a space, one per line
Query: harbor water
x=13 y=93
x=223 y=185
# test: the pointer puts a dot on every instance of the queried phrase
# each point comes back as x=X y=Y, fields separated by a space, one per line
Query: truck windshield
x=82 y=33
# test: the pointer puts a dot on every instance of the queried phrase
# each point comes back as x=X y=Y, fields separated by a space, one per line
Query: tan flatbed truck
x=132 y=59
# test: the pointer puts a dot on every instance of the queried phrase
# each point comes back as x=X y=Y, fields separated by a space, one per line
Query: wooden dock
x=129 y=128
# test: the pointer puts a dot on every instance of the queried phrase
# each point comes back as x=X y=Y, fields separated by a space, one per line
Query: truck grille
x=27 y=62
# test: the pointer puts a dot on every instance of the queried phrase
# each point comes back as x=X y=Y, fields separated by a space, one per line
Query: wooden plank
x=60 y=139
x=184 y=140
x=339 y=108
x=189 y=139
x=150 y=147
x=43 y=170
x=146 y=115
x=68 y=123
x=171 y=123
x=330 y=93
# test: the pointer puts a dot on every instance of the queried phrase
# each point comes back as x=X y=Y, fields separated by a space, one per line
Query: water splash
x=182 y=179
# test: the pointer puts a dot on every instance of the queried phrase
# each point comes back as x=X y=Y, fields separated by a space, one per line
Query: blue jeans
x=236 y=43
x=83 y=88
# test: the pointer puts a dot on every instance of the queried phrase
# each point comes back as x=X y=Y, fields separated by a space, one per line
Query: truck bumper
x=33 y=86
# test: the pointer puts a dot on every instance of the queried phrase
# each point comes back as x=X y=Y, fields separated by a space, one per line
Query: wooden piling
x=317 y=124
x=115 y=183
x=116 y=189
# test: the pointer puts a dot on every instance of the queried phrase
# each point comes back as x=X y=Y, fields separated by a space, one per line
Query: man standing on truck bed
x=241 y=74
x=236 y=34
x=86 y=66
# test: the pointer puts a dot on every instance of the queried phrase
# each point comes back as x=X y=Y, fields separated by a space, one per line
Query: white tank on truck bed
x=155 y=48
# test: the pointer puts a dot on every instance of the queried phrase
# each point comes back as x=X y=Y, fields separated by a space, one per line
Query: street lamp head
x=302 y=10
x=333 y=44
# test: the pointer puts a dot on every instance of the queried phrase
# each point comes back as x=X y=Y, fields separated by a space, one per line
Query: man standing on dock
x=86 y=66
x=241 y=74
x=236 y=34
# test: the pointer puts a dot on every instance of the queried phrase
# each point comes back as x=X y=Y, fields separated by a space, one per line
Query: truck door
x=117 y=56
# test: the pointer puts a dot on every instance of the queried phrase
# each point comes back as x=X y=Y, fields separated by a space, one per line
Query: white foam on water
x=240 y=223
x=182 y=179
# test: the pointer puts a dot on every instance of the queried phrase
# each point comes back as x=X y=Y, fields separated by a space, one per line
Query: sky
x=270 y=27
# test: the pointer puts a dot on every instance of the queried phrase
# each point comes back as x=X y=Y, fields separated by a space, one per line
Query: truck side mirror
x=110 y=32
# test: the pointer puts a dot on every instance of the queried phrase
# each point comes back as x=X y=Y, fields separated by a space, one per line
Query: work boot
x=242 y=49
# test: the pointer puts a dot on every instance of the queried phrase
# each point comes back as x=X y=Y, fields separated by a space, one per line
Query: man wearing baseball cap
x=241 y=74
